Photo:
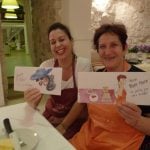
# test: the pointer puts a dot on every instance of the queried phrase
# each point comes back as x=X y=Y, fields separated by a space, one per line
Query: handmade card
x=47 y=80
x=114 y=87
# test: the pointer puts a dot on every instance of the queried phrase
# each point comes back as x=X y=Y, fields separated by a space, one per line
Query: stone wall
x=44 y=13
x=135 y=14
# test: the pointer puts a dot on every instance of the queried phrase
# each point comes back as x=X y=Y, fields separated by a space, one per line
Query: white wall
x=77 y=15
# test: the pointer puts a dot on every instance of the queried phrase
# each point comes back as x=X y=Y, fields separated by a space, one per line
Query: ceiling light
x=10 y=14
x=10 y=4
x=100 y=5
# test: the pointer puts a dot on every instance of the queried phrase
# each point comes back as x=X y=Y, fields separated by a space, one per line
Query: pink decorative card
x=114 y=87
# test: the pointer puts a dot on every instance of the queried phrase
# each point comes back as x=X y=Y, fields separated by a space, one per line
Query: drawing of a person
x=43 y=78
x=121 y=93
x=106 y=95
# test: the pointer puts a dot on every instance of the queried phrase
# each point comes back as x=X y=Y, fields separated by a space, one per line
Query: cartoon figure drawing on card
x=106 y=97
x=121 y=92
x=44 y=79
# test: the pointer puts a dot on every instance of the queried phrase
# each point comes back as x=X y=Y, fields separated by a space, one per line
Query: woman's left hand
x=131 y=113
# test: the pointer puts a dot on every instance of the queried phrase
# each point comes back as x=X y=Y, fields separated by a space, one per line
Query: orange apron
x=106 y=130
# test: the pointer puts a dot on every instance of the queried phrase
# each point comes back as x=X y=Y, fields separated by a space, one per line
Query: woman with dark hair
x=62 y=111
x=114 y=127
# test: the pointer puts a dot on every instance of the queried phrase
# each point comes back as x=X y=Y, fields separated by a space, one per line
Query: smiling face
x=60 y=44
x=111 y=52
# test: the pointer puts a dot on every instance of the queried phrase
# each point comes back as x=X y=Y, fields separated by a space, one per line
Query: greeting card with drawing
x=114 y=87
x=47 y=80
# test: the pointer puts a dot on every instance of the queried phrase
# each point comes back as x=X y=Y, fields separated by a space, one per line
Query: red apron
x=57 y=107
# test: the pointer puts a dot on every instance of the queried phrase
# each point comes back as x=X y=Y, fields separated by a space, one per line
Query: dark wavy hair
x=62 y=27
x=118 y=29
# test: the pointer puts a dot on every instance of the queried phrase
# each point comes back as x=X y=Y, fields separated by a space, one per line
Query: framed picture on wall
x=1 y=89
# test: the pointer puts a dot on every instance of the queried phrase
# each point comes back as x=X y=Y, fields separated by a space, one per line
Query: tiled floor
x=16 y=58
x=15 y=101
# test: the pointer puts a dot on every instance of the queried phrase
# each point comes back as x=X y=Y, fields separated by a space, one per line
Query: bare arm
x=144 y=125
x=32 y=97
x=132 y=115
x=71 y=117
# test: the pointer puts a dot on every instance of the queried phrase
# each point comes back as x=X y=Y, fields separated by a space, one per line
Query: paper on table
x=47 y=80
x=113 y=87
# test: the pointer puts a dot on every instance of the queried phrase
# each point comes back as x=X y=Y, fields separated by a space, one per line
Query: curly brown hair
x=118 y=29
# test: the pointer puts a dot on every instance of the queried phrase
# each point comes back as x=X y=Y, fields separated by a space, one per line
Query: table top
x=144 y=66
x=23 y=116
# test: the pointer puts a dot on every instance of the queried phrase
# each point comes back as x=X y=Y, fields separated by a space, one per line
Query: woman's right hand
x=33 y=97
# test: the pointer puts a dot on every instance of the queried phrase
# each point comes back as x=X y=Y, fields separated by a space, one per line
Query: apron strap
x=73 y=69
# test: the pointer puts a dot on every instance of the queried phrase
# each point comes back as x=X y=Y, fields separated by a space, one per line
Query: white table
x=23 y=116
x=144 y=66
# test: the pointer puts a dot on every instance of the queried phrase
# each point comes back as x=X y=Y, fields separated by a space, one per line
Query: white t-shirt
x=82 y=65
